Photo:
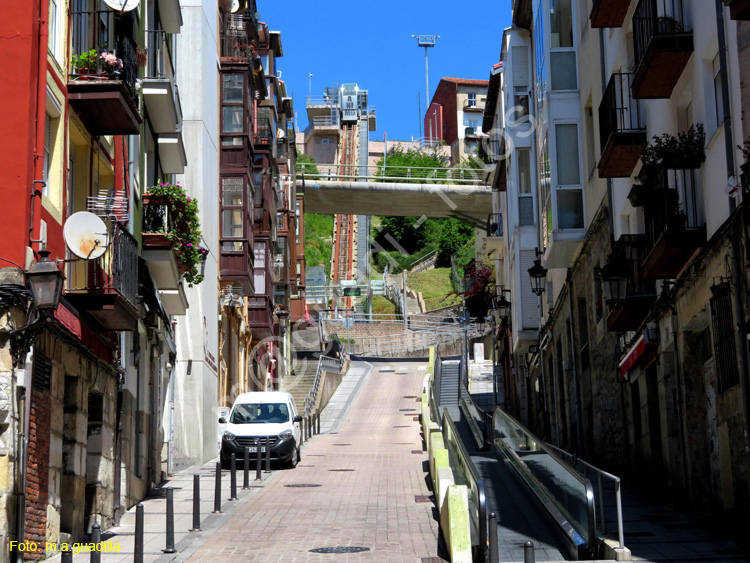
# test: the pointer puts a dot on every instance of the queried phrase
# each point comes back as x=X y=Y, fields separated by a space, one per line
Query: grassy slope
x=435 y=286
x=318 y=233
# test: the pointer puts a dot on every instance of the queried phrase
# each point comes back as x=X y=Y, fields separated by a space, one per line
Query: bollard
x=246 y=476
x=528 y=552
x=309 y=427
x=318 y=416
x=258 y=462
x=138 y=544
x=170 y=522
x=67 y=556
x=196 y=504
x=494 y=551
x=268 y=457
x=96 y=539
x=302 y=432
x=217 y=490
x=233 y=479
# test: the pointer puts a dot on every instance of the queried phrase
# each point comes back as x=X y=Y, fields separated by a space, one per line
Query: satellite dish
x=122 y=5
x=238 y=6
x=280 y=133
x=86 y=235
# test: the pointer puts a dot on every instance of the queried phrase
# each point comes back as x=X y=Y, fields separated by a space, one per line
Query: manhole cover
x=300 y=465
x=403 y=426
x=340 y=549
x=410 y=397
x=300 y=485
x=422 y=498
x=406 y=410
x=341 y=444
x=416 y=451
x=341 y=470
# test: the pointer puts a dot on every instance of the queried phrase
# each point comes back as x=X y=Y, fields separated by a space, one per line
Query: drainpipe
x=740 y=340
x=41 y=112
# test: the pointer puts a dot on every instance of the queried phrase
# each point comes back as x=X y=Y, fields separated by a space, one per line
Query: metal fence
x=618 y=111
x=654 y=18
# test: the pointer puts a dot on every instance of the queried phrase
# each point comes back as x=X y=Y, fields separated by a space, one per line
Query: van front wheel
x=296 y=458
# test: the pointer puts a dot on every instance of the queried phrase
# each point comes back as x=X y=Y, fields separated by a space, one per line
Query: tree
x=306 y=164
x=454 y=234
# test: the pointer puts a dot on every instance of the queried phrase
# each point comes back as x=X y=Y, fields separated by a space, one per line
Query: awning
x=638 y=354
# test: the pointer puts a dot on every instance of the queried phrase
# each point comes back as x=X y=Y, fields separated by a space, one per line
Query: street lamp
x=426 y=41
x=538 y=275
x=502 y=305
x=46 y=282
x=615 y=278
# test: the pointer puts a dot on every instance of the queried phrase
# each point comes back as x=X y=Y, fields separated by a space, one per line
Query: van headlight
x=285 y=435
x=228 y=435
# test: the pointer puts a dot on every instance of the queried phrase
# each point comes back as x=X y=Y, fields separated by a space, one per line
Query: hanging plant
x=685 y=151
x=183 y=231
x=745 y=148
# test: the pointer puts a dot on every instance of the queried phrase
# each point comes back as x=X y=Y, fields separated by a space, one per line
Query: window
x=561 y=23
x=260 y=268
x=718 y=93
x=232 y=111
x=566 y=141
x=564 y=73
x=325 y=141
x=54 y=28
x=232 y=214
x=47 y=152
x=472 y=100
x=525 y=199
x=562 y=56
x=724 y=345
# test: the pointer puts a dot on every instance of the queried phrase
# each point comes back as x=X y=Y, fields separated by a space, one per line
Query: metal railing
x=672 y=204
x=425 y=262
x=412 y=174
x=322 y=101
x=654 y=18
x=114 y=271
x=494 y=225
x=159 y=55
x=93 y=38
x=465 y=473
x=600 y=500
x=324 y=121
x=265 y=134
x=566 y=495
x=619 y=112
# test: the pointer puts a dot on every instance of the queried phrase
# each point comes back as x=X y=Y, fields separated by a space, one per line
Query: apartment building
x=455 y=115
x=633 y=245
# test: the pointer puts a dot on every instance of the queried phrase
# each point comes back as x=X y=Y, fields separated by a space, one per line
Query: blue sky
x=370 y=43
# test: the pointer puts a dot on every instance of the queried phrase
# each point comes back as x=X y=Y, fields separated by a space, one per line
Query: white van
x=265 y=419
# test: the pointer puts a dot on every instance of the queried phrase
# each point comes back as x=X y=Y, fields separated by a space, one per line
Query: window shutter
x=520 y=63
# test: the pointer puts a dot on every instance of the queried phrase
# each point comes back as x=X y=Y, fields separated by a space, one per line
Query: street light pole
x=310 y=80
x=426 y=41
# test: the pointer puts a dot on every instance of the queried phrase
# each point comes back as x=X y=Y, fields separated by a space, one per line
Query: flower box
x=156 y=240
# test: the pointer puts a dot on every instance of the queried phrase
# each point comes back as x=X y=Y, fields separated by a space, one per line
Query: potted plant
x=684 y=151
x=93 y=62
x=181 y=229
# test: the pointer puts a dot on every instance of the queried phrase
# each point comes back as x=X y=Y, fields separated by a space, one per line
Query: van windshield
x=249 y=413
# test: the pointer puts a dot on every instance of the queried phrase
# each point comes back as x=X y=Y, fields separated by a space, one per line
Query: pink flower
x=189 y=199
x=189 y=245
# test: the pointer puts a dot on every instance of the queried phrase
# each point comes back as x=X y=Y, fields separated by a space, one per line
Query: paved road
x=367 y=478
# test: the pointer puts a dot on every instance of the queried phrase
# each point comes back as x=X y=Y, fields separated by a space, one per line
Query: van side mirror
x=222 y=420
x=297 y=418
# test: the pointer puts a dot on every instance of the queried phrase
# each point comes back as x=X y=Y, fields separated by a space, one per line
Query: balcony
x=494 y=240
x=265 y=134
x=158 y=250
x=101 y=90
x=662 y=44
x=237 y=37
x=172 y=155
x=631 y=250
x=622 y=128
x=236 y=264
x=260 y=317
x=160 y=94
x=675 y=229
x=609 y=13
x=170 y=14
x=106 y=289
x=739 y=9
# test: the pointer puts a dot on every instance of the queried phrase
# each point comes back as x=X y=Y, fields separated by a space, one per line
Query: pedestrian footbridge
x=396 y=191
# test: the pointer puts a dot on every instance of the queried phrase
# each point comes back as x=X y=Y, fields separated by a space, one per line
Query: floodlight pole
x=426 y=41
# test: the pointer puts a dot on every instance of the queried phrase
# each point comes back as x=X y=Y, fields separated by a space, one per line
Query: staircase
x=304 y=366
x=449 y=374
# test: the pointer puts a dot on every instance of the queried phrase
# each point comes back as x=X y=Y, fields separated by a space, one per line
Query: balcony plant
x=687 y=150
x=183 y=231
x=93 y=62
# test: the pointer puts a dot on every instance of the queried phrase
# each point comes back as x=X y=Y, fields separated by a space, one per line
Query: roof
x=493 y=91
x=466 y=81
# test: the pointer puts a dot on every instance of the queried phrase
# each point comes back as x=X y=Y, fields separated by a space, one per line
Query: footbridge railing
x=409 y=174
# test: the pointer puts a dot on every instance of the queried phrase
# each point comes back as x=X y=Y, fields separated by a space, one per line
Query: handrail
x=574 y=529
x=470 y=478
x=574 y=461
x=312 y=395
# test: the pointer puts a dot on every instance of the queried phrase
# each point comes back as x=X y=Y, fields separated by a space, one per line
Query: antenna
x=86 y=235
x=122 y=5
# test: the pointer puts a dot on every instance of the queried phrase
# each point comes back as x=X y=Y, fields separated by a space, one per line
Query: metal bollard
x=217 y=490
x=246 y=476
x=258 y=462
x=170 y=522
x=67 y=556
x=302 y=432
x=233 y=479
x=494 y=551
x=196 y=504
x=268 y=457
x=138 y=544
x=528 y=552
x=96 y=539
x=318 y=415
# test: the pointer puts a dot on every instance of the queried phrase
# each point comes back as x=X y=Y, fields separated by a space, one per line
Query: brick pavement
x=372 y=506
